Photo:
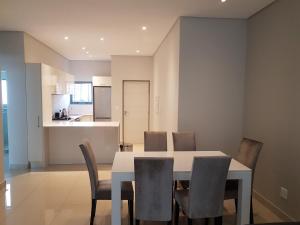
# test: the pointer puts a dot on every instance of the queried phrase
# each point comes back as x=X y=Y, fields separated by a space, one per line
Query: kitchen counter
x=65 y=137
x=60 y=123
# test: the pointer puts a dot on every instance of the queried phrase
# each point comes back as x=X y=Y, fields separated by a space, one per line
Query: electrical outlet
x=284 y=193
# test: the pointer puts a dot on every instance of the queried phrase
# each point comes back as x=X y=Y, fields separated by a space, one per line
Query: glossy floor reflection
x=61 y=196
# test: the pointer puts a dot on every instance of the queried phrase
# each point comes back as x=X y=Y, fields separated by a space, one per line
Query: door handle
x=125 y=113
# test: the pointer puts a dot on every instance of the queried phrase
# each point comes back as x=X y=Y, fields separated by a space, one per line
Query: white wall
x=165 y=84
x=37 y=52
x=211 y=81
x=84 y=70
x=12 y=61
x=128 y=68
x=272 y=101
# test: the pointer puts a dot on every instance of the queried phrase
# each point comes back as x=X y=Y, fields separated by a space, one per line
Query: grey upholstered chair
x=101 y=189
x=184 y=141
x=155 y=141
x=248 y=155
x=204 y=198
x=153 y=189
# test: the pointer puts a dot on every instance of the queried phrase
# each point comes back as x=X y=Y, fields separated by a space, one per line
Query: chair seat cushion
x=104 y=190
x=231 y=190
x=181 y=197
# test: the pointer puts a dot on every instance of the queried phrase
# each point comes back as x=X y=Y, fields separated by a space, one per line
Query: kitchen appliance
x=102 y=102
x=64 y=113
x=57 y=115
x=61 y=115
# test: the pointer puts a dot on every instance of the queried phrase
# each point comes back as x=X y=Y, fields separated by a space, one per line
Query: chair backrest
x=155 y=141
x=184 y=141
x=91 y=164
x=153 y=188
x=207 y=186
x=249 y=152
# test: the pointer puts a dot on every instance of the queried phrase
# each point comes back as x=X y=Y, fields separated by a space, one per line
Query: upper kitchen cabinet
x=64 y=81
x=101 y=81
x=58 y=81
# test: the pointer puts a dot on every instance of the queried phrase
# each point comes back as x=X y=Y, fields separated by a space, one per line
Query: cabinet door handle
x=38 y=121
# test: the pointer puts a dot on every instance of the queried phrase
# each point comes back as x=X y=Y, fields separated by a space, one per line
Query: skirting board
x=18 y=166
x=270 y=205
x=37 y=165
x=2 y=185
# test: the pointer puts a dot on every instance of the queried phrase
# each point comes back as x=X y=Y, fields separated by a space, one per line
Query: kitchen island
x=65 y=137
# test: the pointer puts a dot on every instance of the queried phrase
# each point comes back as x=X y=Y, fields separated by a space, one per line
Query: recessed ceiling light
x=137 y=51
x=102 y=39
x=83 y=48
x=87 y=52
x=66 y=38
x=223 y=0
x=144 y=28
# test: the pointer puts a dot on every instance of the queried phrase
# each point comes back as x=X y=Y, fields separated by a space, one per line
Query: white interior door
x=135 y=110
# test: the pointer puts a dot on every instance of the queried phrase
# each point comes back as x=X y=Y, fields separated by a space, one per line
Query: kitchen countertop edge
x=81 y=124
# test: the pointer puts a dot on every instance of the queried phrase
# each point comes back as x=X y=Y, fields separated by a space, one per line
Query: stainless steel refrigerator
x=102 y=102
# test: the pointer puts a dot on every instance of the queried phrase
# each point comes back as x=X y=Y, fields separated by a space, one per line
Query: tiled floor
x=61 y=196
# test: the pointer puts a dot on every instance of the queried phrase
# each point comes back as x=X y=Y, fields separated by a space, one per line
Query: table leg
x=243 y=211
x=116 y=200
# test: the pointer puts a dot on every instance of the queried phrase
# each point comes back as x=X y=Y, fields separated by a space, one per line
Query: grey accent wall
x=272 y=101
x=12 y=61
x=211 y=81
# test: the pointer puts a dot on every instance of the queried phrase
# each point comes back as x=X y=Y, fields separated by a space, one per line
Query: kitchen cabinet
x=63 y=84
x=42 y=81
x=58 y=81
x=37 y=137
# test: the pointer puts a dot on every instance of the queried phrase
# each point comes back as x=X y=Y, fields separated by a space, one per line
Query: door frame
x=94 y=118
x=123 y=85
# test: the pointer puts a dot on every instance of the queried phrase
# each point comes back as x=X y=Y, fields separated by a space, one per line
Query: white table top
x=124 y=161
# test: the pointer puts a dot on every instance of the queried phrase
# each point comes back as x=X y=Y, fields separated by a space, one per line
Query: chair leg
x=206 y=220
x=137 y=222
x=130 y=211
x=93 y=211
x=190 y=221
x=219 y=220
x=176 y=213
x=251 y=212
x=236 y=205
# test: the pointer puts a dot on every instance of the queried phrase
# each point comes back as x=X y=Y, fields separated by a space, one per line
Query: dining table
x=123 y=170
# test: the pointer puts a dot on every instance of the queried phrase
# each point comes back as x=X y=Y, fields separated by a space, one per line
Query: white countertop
x=81 y=124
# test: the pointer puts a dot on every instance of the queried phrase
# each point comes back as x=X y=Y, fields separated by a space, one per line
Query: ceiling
x=119 y=22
